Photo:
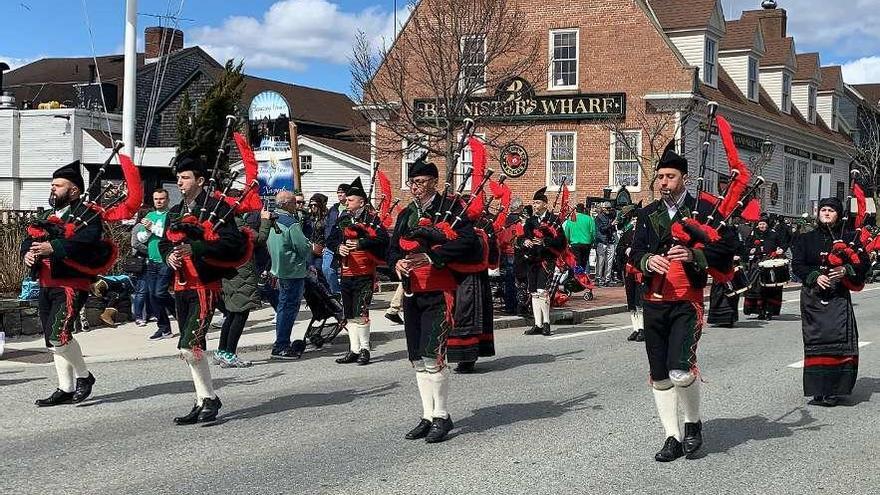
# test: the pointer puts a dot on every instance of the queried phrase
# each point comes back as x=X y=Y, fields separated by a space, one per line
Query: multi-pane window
x=473 y=63
x=625 y=155
x=788 y=189
x=803 y=186
x=841 y=191
x=413 y=148
x=305 y=162
x=786 y=92
x=753 y=78
x=465 y=161
x=711 y=55
x=561 y=157
x=812 y=111
x=564 y=59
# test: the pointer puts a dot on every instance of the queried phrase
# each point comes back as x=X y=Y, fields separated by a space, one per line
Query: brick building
x=626 y=77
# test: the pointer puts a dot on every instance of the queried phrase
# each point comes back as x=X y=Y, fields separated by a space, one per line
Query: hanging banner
x=269 y=126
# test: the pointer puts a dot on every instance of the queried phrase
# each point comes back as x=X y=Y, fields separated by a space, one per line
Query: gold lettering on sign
x=581 y=106
x=594 y=105
x=566 y=105
x=428 y=110
x=549 y=106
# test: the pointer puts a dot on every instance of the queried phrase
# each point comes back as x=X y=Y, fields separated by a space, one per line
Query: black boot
x=465 y=367
x=363 y=357
x=210 y=408
x=640 y=336
x=191 y=418
x=535 y=330
x=349 y=357
x=58 y=397
x=693 y=438
x=83 y=388
x=545 y=330
x=671 y=451
x=420 y=431
x=632 y=336
x=440 y=427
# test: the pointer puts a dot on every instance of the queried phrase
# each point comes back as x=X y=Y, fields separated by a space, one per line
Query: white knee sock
x=426 y=392
x=201 y=374
x=689 y=401
x=73 y=353
x=638 y=319
x=354 y=337
x=667 y=409
x=545 y=307
x=537 y=310
x=364 y=336
x=64 y=371
x=440 y=388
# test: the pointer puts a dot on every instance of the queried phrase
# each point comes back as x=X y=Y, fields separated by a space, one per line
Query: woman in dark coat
x=762 y=245
x=241 y=296
x=831 y=337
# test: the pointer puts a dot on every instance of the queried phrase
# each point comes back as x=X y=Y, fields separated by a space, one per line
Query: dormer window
x=753 y=79
x=811 y=114
x=786 y=92
x=710 y=62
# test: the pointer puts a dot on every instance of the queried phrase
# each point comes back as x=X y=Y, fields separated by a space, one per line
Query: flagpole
x=129 y=91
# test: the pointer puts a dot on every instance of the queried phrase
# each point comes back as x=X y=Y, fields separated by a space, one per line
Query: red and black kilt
x=472 y=335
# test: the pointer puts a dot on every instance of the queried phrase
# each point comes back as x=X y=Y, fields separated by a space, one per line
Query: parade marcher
x=360 y=241
x=62 y=263
x=831 y=264
x=633 y=281
x=673 y=306
x=541 y=243
x=724 y=309
x=200 y=265
x=419 y=253
x=240 y=293
x=762 y=245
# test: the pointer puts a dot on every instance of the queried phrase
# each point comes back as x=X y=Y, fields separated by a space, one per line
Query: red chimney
x=155 y=46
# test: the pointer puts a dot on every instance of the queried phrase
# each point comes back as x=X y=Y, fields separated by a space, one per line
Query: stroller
x=324 y=306
x=568 y=281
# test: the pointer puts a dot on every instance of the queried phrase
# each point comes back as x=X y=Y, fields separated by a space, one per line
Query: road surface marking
x=588 y=332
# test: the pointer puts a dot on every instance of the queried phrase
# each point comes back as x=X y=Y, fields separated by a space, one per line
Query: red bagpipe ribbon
x=693 y=234
x=740 y=175
x=565 y=208
x=479 y=160
x=503 y=194
x=250 y=202
x=861 y=204
x=385 y=204
x=134 y=195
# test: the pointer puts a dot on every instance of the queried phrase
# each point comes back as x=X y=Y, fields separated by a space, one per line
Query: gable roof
x=780 y=51
x=871 y=92
x=832 y=78
x=360 y=151
x=743 y=35
x=807 y=67
x=684 y=14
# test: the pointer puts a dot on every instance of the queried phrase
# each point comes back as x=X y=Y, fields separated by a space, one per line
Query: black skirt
x=831 y=342
x=723 y=310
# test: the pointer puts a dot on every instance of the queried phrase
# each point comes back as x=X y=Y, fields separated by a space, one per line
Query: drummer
x=760 y=248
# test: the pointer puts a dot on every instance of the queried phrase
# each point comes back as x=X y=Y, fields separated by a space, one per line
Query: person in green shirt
x=157 y=273
x=581 y=233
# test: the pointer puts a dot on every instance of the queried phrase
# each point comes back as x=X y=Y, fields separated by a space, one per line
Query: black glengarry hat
x=356 y=189
x=671 y=159
x=422 y=168
x=72 y=173
x=185 y=162
x=541 y=195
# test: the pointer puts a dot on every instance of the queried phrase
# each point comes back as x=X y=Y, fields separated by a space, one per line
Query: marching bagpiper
x=360 y=241
x=541 y=243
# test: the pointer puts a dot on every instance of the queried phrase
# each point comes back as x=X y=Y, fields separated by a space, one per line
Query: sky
x=307 y=42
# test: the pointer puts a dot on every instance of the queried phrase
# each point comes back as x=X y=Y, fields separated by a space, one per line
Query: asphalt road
x=569 y=414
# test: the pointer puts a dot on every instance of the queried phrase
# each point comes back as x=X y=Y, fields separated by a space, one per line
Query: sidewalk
x=128 y=342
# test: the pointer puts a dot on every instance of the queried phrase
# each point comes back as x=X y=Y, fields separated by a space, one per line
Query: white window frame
x=551 y=82
x=754 y=86
x=549 y=167
x=802 y=201
x=466 y=158
x=462 y=83
x=812 y=95
x=406 y=152
x=710 y=61
x=789 y=187
x=786 y=92
x=612 y=157
x=311 y=161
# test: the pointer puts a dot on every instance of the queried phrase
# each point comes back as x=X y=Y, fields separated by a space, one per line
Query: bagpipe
x=550 y=227
x=738 y=200
x=202 y=224
x=122 y=205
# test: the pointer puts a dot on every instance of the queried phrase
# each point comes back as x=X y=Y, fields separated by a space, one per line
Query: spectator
x=136 y=266
x=289 y=251
x=330 y=267
x=318 y=214
x=606 y=225
x=581 y=233
x=158 y=273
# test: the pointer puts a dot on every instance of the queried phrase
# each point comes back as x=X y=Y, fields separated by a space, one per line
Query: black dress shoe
x=83 y=388
x=363 y=357
x=420 y=431
x=640 y=336
x=671 y=451
x=632 y=336
x=210 y=408
x=465 y=367
x=693 y=438
x=824 y=401
x=440 y=427
x=191 y=418
x=349 y=357
x=395 y=317
x=58 y=397
x=533 y=331
x=545 y=330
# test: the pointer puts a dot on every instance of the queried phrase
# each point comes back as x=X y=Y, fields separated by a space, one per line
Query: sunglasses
x=300 y=202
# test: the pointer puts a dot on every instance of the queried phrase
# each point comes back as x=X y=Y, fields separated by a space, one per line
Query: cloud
x=294 y=32
x=16 y=62
x=863 y=70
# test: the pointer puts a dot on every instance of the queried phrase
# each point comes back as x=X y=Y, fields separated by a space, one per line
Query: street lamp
x=767 y=148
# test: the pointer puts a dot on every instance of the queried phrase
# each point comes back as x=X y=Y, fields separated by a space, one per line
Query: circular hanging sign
x=774 y=193
x=514 y=160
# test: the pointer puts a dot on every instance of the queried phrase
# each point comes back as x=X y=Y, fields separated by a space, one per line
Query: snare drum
x=738 y=284
x=774 y=272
